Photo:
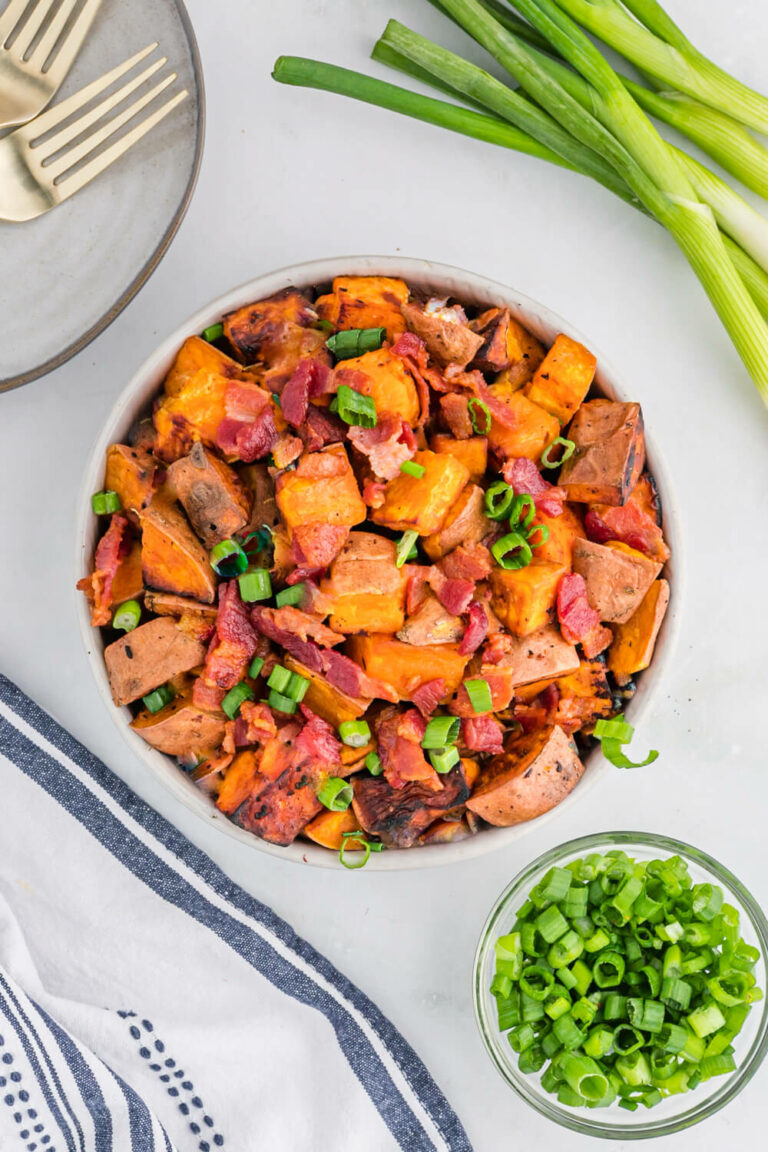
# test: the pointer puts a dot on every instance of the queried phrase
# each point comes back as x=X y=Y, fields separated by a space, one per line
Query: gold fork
x=33 y=67
x=39 y=170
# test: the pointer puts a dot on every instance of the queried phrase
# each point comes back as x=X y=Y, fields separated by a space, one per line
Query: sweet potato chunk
x=145 y=658
x=193 y=405
x=398 y=816
x=645 y=495
x=584 y=696
x=431 y=624
x=217 y=503
x=329 y=703
x=277 y=811
x=473 y=452
x=532 y=775
x=445 y=332
x=564 y=531
x=610 y=452
x=524 y=430
x=172 y=557
x=422 y=503
x=328 y=828
x=387 y=381
x=524 y=598
x=276 y=332
x=405 y=666
x=634 y=641
x=239 y=781
x=129 y=579
x=541 y=656
x=366 y=589
x=181 y=729
x=617 y=577
x=365 y=302
x=466 y=523
x=322 y=489
x=508 y=348
x=167 y=604
x=131 y=473
x=563 y=378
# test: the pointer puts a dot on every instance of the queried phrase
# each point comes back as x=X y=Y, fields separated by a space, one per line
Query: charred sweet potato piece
x=398 y=816
x=172 y=557
x=387 y=380
x=584 y=696
x=507 y=348
x=563 y=378
x=328 y=828
x=610 y=452
x=617 y=577
x=422 y=503
x=465 y=523
x=645 y=495
x=239 y=781
x=264 y=510
x=532 y=775
x=277 y=811
x=131 y=473
x=329 y=703
x=147 y=657
x=524 y=429
x=322 y=489
x=168 y=604
x=430 y=624
x=445 y=332
x=193 y=405
x=473 y=452
x=524 y=598
x=543 y=655
x=405 y=666
x=181 y=729
x=217 y=503
x=447 y=832
x=129 y=580
x=276 y=333
x=365 y=302
x=564 y=531
x=366 y=589
x=634 y=641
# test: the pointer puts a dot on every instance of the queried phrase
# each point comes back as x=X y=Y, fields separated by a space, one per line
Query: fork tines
x=63 y=31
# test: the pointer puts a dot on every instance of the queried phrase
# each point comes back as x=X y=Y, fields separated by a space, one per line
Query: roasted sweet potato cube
x=423 y=503
x=617 y=577
x=327 y=830
x=471 y=771
x=328 y=702
x=386 y=380
x=398 y=816
x=193 y=405
x=532 y=775
x=431 y=623
x=129 y=579
x=445 y=332
x=217 y=503
x=147 y=657
x=584 y=696
x=543 y=655
x=524 y=599
x=406 y=666
x=196 y=358
x=472 y=452
x=563 y=378
x=279 y=810
x=518 y=426
x=645 y=495
x=466 y=523
x=507 y=347
x=365 y=302
x=634 y=641
x=564 y=531
x=276 y=332
x=322 y=489
x=239 y=781
x=610 y=452
x=131 y=473
x=172 y=557
x=365 y=588
x=181 y=729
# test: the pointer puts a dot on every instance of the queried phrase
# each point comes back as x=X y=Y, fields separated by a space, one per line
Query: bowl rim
x=144 y=384
x=582 y=1121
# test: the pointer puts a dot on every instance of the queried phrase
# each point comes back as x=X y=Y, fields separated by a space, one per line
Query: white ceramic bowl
x=136 y=399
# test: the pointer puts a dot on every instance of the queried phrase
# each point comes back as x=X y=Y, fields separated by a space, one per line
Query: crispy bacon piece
x=399 y=736
x=482 y=734
x=232 y=648
x=387 y=446
x=344 y=674
x=454 y=594
x=285 y=450
x=413 y=352
x=320 y=428
x=524 y=477
x=317 y=742
x=455 y=411
x=290 y=620
x=310 y=378
x=416 y=588
x=467 y=562
x=499 y=644
x=539 y=712
x=428 y=695
x=316 y=546
x=270 y=625
x=248 y=430
x=110 y=550
x=374 y=493
x=580 y=623
x=255 y=724
x=629 y=524
x=399 y=815
x=476 y=630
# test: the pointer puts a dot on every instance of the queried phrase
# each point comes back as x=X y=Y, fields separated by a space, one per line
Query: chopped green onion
x=214 y=332
x=498 y=500
x=228 y=559
x=256 y=666
x=235 y=697
x=568 y=450
x=297 y=687
x=255 y=585
x=373 y=764
x=158 y=699
x=127 y=616
x=612 y=734
x=279 y=678
x=706 y=1019
x=335 y=793
x=512 y=551
x=351 y=342
x=441 y=731
x=552 y=924
x=105 y=503
x=543 y=535
x=367 y=846
x=355 y=408
x=281 y=703
x=355 y=733
x=404 y=546
x=555 y=885
x=443 y=760
x=478 y=406
x=480 y=697
x=522 y=512
x=293 y=594
x=412 y=469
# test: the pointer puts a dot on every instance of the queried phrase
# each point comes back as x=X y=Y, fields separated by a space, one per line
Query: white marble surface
x=288 y=176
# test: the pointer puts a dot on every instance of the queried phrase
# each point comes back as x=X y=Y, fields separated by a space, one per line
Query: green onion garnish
x=367 y=846
x=235 y=697
x=522 y=512
x=127 y=616
x=355 y=408
x=228 y=559
x=498 y=500
x=293 y=594
x=412 y=469
x=478 y=408
x=255 y=585
x=373 y=764
x=612 y=734
x=405 y=546
x=541 y=532
x=297 y=687
x=355 y=733
x=335 y=793
x=444 y=759
x=158 y=699
x=214 y=332
x=512 y=551
x=479 y=693
x=105 y=503
x=256 y=666
x=281 y=703
x=568 y=450
x=355 y=342
x=441 y=731
x=279 y=678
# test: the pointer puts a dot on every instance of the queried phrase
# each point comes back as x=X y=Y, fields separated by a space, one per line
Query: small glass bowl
x=674 y=1112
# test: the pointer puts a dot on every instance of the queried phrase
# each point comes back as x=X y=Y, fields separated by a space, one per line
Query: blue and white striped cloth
x=148 y=1004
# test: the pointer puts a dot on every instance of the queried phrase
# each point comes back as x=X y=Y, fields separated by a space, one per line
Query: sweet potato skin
x=473 y=452
x=365 y=588
x=365 y=302
x=181 y=729
x=309 y=499
x=524 y=598
x=610 y=453
x=617 y=577
x=387 y=381
x=193 y=404
x=431 y=624
x=173 y=559
x=448 y=341
x=406 y=666
x=508 y=348
x=465 y=523
x=130 y=472
x=542 y=655
x=422 y=503
x=563 y=379
x=530 y=431
x=147 y=657
x=532 y=775
x=261 y=486
x=584 y=696
x=635 y=640
x=217 y=503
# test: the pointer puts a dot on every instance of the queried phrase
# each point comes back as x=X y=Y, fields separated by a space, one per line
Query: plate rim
x=138 y=282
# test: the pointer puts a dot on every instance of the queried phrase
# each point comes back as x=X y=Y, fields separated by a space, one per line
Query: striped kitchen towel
x=148 y=1003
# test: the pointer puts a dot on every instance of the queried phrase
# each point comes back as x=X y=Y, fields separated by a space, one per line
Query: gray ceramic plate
x=65 y=276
